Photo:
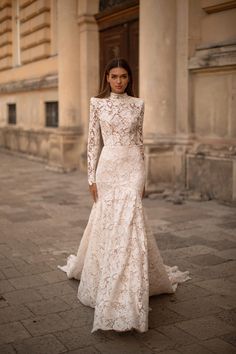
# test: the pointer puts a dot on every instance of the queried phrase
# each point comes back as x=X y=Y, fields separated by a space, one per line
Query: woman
x=118 y=262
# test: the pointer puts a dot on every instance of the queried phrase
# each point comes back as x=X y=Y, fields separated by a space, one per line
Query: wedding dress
x=118 y=262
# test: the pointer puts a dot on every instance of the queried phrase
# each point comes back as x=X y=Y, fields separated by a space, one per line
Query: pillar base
x=62 y=149
x=65 y=147
x=211 y=170
x=192 y=165
x=166 y=163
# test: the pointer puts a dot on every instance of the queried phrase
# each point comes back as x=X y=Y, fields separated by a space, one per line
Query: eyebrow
x=119 y=75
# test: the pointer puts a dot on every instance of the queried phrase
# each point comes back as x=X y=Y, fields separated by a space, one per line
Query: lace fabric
x=116 y=121
x=118 y=261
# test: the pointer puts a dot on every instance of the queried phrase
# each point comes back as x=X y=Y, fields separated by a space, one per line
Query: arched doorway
x=118 y=23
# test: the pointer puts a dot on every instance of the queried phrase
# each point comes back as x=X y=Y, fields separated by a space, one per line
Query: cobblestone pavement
x=42 y=218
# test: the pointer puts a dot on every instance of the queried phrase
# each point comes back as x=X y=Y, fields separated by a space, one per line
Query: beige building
x=51 y=52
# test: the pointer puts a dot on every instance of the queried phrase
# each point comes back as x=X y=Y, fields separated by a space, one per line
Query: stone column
x=158 y=88
x=68 y=64
x=183 y=123
x=88 y=64
x=158 y=66
x=65 y=142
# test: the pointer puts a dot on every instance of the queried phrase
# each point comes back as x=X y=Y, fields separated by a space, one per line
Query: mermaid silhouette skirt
x=118 y=261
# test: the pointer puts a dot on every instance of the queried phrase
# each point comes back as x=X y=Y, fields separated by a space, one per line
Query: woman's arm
x=94 y=142
x=140 y=130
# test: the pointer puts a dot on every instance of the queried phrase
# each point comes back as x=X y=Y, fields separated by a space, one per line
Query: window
x=51 y=114
x=11 y=113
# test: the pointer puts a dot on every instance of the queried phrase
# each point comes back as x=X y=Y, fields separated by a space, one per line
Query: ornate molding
x=217 y=6
x=215 y=58
x=48 y=81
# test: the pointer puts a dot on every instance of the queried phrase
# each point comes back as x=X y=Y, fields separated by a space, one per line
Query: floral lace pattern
x=115 y=121
x=118 y=262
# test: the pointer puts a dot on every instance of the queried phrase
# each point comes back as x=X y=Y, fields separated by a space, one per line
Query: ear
x=107 y=77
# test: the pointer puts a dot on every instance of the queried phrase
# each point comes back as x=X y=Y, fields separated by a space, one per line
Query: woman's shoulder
x=94 y=99
x=137 y=100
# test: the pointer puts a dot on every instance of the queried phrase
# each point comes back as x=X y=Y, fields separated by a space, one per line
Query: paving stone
x=156 y=341
x=56 y=289
x=223 y=270
x=219 y=286
x=3 y=302
x=5 y=262
x=205 y=327
x=170 y=352
x=168 y=241
x=228 y=316
x=11 y=272
x=228 y=225
x=218 y=346
x=26 y=282
x=206 y=259
x=189 y=251
x=78 y=338
x=197 y=307
x=47 y=344
x=20 y=217
x=224 y=301
x=14 y=313
x=54 y=276
x=78 y=317
x=188 y=216
x=11 y=332
x=161 y=315
x=232 y=278
x=220 y=244
x=5 y=286
x=3 y=248
x=188 y=292
x=30 y=269
x=22 y=296
x=7 y=349
x=229 y=338
x=44 y=307
x=126 y=344
x=2 y=276
x=71 y=300
x=177 y=335
x=193 y=236
x=194 y=349
x=18 y=262
x=87 y=350
x=44 y=324
x=229 y=254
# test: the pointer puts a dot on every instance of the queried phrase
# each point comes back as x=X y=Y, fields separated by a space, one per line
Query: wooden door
x=119 y=36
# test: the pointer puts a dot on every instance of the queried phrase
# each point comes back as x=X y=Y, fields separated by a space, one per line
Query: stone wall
x=49 y=50
x=212 y=73
x=188 y=83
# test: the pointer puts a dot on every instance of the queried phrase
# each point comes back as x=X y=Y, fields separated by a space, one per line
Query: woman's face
x=118 y=79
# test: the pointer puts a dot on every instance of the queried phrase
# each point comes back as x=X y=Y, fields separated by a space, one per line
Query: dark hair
x=105 y=86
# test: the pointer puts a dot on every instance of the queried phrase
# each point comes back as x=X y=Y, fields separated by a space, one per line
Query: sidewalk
x=42 y=218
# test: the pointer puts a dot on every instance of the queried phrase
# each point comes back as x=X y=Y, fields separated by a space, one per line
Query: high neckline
x=118 y=95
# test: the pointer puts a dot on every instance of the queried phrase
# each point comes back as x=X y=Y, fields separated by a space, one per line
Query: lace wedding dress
x=118 y=262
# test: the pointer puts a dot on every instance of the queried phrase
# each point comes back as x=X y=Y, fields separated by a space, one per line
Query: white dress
x=118 y=262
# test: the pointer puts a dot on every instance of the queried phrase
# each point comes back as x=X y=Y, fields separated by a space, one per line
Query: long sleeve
x=94 y=142
x=140 y=130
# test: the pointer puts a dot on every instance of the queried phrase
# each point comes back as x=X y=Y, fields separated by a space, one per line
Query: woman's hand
x=93 y=191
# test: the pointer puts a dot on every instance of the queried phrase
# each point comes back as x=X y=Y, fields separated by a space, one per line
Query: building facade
x=51 y=52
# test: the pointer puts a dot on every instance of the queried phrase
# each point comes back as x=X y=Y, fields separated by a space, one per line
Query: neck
x=118 y=95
